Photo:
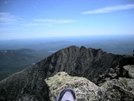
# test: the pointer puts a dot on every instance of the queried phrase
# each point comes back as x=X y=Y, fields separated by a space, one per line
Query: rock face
x=93 y=64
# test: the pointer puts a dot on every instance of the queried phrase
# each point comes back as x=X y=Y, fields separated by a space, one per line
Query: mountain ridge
x=29 y=84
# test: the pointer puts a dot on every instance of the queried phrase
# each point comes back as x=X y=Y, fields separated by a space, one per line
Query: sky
x=55 y=18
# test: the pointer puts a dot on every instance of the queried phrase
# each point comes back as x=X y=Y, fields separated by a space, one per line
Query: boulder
x=85 y=89
x=130 y=69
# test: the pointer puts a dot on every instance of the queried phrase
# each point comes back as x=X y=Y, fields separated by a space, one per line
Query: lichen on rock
x=121 y=89
x=85 y=89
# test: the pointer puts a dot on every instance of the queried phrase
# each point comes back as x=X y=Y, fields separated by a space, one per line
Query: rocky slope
x=121 y=89
x=93 y=64
x=80 y=62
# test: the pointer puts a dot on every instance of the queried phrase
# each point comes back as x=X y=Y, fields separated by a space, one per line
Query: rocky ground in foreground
x=121 y=89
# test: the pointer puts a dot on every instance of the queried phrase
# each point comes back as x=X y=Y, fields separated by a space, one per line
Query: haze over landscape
x=31 y=30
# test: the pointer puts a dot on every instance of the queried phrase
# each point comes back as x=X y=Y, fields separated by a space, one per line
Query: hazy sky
x=50 y=18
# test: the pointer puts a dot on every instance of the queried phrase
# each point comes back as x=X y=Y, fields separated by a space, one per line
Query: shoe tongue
x=67 y=96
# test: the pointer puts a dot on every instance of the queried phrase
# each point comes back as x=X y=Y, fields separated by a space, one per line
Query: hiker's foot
x=67 y=94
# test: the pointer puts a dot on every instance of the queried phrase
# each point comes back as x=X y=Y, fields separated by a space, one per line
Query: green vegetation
x=12 y=61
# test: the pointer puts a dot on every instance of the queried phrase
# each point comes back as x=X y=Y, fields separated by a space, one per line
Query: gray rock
x=130 y=69
x=112 y=90
x=118 y=90
x=85 y=89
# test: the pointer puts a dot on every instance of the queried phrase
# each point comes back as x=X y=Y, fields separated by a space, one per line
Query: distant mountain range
x=116 y=44
x=29 y=84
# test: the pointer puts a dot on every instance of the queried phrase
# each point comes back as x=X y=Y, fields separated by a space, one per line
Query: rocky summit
x=104 y=76
x=121 y=89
